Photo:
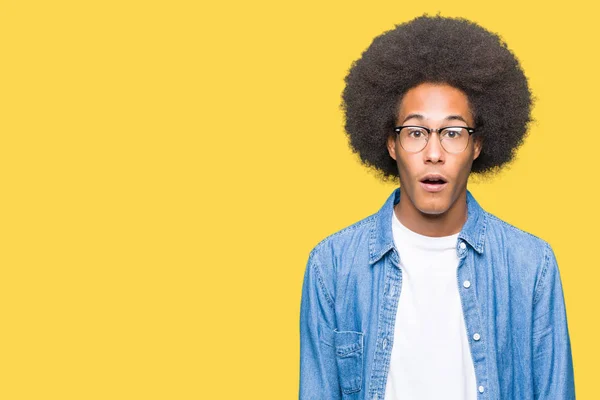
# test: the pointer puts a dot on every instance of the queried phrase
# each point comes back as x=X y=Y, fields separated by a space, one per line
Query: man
x=432 y=297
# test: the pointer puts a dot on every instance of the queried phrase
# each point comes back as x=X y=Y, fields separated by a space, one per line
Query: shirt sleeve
x=552 y=359
x=318 y=370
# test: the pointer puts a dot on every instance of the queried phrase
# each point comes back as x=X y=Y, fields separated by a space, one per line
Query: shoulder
x=355 y=236
x=499 y=228
x=517 y=248
x=532 y=256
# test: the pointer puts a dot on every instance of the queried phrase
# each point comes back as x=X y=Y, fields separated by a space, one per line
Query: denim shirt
x=511 y=295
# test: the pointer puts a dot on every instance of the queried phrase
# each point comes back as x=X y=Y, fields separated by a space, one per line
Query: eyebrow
x=448 y=118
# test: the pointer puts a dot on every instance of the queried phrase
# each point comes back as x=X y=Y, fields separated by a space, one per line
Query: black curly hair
x=437 y=49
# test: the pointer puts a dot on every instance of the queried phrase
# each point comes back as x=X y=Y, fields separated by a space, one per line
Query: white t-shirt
x=431 y=358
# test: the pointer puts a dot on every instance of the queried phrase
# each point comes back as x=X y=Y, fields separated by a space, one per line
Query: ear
x=391 y=145
x=478 y=146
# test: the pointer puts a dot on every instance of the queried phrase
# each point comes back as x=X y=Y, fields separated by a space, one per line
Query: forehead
x=434 y=102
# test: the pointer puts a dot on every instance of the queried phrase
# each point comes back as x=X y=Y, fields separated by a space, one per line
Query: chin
x=428 y=210
x=435 y=206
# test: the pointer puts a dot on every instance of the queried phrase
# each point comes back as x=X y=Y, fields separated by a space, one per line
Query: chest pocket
x=349 y=358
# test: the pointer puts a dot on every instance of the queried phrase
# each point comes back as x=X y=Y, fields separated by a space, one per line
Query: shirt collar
x=381 y=239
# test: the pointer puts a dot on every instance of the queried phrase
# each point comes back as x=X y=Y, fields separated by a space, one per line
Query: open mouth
x=433 y=183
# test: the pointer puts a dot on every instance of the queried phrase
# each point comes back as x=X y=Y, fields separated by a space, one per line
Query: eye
x=416 y=133
x=453 y=133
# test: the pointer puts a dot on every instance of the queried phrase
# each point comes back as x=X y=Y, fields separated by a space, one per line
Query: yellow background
x=167 y=166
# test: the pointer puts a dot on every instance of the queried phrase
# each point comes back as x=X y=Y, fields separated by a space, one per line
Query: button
x=385 y=343
x=477 y=336
x=481 y=389
x=467 y=284
x=463 y=245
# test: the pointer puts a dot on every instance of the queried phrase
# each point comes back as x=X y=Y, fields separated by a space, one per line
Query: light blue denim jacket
x=511 y=296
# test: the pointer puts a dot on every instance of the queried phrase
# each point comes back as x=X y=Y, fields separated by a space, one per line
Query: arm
x=552 y=360
x=318 y=371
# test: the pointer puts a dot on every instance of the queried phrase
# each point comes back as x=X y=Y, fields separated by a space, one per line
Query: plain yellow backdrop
x=167 y=166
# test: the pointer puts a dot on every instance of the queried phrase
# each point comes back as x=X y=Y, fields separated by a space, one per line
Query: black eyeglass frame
x=438 y=131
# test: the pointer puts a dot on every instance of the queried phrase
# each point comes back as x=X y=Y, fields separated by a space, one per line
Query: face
x=434 y=106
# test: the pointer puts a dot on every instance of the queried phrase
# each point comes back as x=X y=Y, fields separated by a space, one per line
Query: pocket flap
x=348 y=342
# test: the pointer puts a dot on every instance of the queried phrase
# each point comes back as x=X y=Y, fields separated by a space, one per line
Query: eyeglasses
x=454 y=139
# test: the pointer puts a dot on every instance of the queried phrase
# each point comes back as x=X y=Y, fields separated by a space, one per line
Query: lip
x=433 y=177
x=433 y=188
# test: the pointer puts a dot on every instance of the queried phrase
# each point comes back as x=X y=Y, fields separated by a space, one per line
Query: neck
x=447 y=223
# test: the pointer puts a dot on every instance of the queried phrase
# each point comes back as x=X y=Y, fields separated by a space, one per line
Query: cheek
x=405 y=167
x=463 y=167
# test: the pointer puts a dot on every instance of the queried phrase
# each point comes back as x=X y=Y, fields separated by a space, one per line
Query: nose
x=433 y=151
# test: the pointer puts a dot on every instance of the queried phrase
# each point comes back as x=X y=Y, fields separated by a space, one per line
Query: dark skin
x=442 y=213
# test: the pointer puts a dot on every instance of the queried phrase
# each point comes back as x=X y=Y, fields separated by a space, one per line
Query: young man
x=432 y=297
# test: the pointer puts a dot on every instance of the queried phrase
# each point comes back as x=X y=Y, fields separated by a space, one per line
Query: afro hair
x=437 y=49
